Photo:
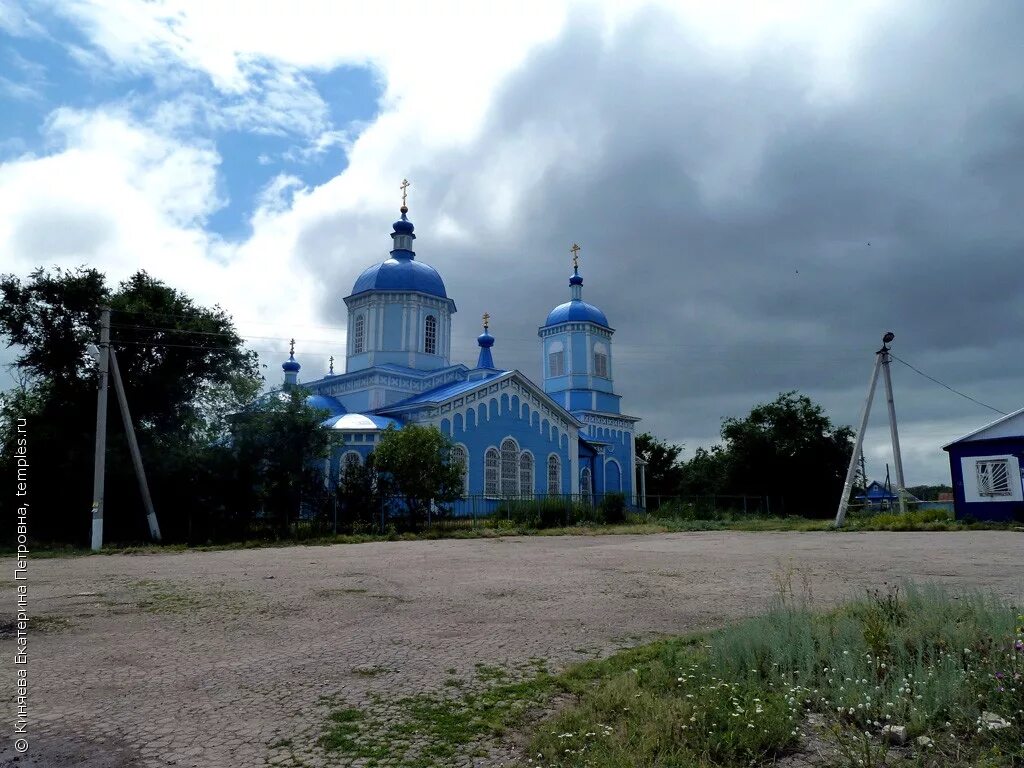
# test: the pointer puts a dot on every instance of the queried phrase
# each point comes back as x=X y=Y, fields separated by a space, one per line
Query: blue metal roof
x=401 y=274
x=577 y=310
x=326 y=403
x=438 y=394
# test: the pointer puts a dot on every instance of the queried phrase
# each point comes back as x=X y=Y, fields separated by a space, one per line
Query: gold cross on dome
x=487 y=320
x=404 y=186
x=575 y=255
x=291 y=351
x=332 y=364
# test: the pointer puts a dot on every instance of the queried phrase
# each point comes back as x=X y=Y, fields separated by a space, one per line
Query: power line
x=941 y=384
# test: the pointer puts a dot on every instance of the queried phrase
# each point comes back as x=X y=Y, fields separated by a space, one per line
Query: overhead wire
x=942 y=384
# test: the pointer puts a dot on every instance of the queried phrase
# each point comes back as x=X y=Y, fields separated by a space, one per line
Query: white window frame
x=974 y=493
x=348 y=459
x=556 y=359
x=509 y=474
x=586 y=485
x=430 y=335
x=359 y=334
x=602 y=362
x=555 y=464
x=492 y=472
x=460 y=456
x=527 y=468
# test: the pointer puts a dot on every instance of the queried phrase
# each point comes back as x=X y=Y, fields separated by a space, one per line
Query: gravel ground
x=215 y=659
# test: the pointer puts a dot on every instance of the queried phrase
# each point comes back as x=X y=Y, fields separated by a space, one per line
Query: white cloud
x=123 y=193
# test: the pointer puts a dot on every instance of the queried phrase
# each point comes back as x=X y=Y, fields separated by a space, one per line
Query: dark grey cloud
x=747 y=229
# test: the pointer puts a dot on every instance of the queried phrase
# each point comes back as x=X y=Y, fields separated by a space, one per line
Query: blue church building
x=512 y=436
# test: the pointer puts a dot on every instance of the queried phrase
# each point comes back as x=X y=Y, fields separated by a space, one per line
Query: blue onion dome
x=577 y=310
x=575 y=279
x=485 y=339
x=291 y=365
x=401 y=272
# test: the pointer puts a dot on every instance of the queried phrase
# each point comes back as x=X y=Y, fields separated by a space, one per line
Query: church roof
x=401 y=272
x=442 y=393
x=401 y=275
x=576 y=310
x=326 y=403
x=360 y=422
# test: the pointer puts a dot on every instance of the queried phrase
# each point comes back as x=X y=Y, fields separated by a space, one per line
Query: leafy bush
x=546 y=512
x=612 y=510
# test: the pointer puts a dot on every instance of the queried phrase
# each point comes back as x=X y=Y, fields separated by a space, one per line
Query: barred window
x=556 y=363
x=359 y=335
x=491 y=463
x=461 y=460
x=349 y=461
x=509 y=467
x=601 y=360
x=994 y=478
x=586 y=486
x=430 y=335
x=554 y=475
x=526 y=474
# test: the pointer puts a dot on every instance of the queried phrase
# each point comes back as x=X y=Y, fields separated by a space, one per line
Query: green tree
x=789 y=450
x=184 y=366
x=663 y=474
x=278 y=446
x=705 y=473
x=362 y=496
x=417 y=461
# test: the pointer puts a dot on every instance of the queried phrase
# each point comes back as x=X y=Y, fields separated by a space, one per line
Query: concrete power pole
x=101 y=431
x=108 y=366
x=133 y=446
x=894 y=432
x=882 y=359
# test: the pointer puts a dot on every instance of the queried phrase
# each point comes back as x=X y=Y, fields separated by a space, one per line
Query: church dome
x=401 y=274
x=577 y=311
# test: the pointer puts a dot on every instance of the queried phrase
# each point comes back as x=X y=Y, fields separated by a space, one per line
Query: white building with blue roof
x=512 y=436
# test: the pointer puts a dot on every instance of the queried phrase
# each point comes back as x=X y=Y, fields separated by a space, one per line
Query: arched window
x=586 y=486
x=600 y=360
x=491 y=463
x=461 y=459
x=556 y=359
x=509 y=467
x=554 y=475
x=359 y=335
x=526 y=474
x=430 y=335
x=349 y=461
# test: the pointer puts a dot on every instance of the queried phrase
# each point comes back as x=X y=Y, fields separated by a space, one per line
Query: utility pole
x=858 y=446
x=897 y=458
x=133 y=446
x=101 y=431
x=882 y=359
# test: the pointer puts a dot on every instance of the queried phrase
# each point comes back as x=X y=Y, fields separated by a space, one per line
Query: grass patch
x=434 y=729
x=944 y=667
